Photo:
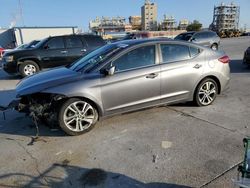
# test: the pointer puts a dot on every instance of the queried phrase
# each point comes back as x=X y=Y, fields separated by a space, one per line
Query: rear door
x=181 y=68
x=76 y=48
x=93 y=41
x=53 y=53
x=135 y=84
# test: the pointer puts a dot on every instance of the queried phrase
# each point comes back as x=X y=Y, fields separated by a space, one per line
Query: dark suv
x=205 y=38
x=50 y=52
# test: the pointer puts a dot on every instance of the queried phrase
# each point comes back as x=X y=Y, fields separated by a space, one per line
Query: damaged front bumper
x=42 y=107
x=12 y=105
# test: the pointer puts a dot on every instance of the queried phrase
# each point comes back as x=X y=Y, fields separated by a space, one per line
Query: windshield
x=39 y=44
x=184 y=36
x=32 y=44
x=95 y=57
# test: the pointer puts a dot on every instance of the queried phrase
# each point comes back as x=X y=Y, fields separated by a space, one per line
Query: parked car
x=205 y=38
x=50 y=52
x=246 y=59
x=1 y=51
x=121 y=77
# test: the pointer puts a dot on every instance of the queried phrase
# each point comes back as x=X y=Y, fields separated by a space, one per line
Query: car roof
x=142 y=41
x=134 y=42
x=84 y=35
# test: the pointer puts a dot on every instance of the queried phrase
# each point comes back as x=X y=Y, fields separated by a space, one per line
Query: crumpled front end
x=41 y=107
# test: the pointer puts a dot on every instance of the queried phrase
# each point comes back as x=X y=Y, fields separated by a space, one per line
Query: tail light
x=225 y=59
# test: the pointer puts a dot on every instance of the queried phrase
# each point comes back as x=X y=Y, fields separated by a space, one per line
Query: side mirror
x=109 y=71
x=193 y=39
x=46 y=47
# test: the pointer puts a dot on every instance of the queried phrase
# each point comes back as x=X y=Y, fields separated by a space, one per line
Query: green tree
x=195 y=26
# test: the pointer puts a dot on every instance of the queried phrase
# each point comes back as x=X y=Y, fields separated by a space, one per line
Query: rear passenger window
x=73 y=42
x=55 y=43
x=94 y=41
x=174 y=52
x=194 y=51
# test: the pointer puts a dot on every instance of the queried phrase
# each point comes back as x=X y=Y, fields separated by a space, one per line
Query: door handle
x=152 y=76
x=197 y=66
x=83 y=50
x=64 y=52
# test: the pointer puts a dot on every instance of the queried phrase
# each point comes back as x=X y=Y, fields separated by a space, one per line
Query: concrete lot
x=176 y=146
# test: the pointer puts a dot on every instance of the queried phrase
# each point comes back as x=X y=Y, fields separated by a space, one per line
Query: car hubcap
x=29 y=69
x=79 y=116
x=207 y=93
x=214 y=47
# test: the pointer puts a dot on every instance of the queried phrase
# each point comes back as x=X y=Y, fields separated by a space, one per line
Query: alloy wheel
x=207 y=93
x=79 y=116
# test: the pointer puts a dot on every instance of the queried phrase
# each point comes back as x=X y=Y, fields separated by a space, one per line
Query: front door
x=53 y=53
x=135 y=84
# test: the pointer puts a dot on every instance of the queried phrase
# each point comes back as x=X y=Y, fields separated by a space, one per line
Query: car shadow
x=74 y=176
x=5 y=76
x=237 y=66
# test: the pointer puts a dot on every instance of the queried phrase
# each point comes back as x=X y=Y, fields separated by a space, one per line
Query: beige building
x=135 y=21
x=168 y=23
x=149 y=16
x=107 y=24
x=183 y=24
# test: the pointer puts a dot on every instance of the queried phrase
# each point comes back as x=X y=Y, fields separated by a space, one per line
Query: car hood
x=18 y=52
x=44 y=80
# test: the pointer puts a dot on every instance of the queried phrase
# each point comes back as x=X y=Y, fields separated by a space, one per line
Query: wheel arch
x=211 y=77
x=22 y=60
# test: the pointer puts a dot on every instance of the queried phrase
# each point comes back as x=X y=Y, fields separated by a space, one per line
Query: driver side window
x=140 y=57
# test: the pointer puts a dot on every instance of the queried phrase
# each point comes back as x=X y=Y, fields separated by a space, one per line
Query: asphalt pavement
x=177 y=146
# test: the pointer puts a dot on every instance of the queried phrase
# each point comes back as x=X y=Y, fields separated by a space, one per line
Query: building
x=135 y=22
x=226 y=17
x=149 y=16
x=168 y=23
x=106 y=24
x=183 y=24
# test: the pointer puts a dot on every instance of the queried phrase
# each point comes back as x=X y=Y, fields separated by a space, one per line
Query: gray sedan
x=121 y=77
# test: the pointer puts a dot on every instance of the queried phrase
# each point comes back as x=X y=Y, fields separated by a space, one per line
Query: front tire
x=77 y=116
x=28 y=68
x=206 y=92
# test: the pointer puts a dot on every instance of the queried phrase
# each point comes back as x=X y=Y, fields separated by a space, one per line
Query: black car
x=50 y=52
x=246 y=59
x=205 y=38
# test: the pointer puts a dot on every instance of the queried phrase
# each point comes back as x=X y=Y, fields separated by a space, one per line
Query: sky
x=80 y=12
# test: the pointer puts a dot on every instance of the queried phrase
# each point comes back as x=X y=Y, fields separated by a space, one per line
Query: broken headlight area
x=42 y=107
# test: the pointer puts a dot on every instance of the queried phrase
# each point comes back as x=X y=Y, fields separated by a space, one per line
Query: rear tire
x=206 y=92
x=77 y=116
x=28 y=68
x=214 y=47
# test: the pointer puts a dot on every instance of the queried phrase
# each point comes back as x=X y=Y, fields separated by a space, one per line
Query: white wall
x=30 y=34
